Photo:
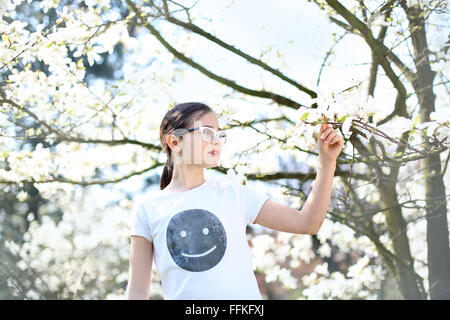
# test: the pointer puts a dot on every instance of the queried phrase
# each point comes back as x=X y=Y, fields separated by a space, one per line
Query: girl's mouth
x=214 y=153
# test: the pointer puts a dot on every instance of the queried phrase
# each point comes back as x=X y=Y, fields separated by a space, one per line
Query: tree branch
x=83 y=183
x=377 y=49
x=194 y=28
x=63 y=137
x=230 y=83
x=388 y=52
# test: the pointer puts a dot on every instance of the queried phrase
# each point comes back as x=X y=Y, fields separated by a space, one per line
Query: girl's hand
x=330 y=143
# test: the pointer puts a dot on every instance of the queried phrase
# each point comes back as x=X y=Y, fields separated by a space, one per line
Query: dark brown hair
x=181 y=116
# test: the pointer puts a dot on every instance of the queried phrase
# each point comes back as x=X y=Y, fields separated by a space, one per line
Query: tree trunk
x=402 y=264
x=407 y=279
x=436 y=209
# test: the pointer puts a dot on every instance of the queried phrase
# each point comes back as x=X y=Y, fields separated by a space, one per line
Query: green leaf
x=416 y=119
x=342 y=119
x=304 y=116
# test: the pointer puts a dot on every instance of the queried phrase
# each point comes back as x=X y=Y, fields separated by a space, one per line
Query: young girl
x=195 y=228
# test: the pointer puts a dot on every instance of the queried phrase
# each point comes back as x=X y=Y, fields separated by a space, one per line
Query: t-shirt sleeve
x=254 y=201
x=139 y=222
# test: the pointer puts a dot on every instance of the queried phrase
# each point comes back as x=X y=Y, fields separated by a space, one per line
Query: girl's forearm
x=137 y=293
x=316 y=206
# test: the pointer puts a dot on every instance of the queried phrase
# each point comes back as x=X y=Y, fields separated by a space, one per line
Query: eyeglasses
x=209 y=134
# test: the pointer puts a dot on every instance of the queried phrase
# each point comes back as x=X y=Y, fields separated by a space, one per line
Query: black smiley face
x=196 y=239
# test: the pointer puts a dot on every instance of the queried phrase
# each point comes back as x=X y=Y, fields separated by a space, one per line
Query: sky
x=298 y=29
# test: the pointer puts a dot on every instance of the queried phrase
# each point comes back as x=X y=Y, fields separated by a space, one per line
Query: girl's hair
x=180 y=116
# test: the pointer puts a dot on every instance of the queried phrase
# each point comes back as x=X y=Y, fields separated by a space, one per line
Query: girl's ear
x=173 y=142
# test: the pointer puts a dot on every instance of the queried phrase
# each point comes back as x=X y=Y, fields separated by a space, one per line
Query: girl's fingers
x=331 y=137
x=328 y=135
x=333 y=140
x=325 y=133
x=323 y=127
x=337 y=139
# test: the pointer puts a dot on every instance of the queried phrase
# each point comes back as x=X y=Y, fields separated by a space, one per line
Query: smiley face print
x=196 y=239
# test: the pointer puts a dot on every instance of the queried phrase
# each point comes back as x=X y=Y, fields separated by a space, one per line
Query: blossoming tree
x=389 y=195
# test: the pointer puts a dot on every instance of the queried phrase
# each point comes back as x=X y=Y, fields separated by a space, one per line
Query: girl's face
x=198 y=151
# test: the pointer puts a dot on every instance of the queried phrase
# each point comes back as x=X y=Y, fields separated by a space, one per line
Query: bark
x=401 y=266
x=436 y=209
x=407 y=279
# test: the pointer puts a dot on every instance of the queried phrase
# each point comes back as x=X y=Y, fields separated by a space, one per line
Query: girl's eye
x=209 y=133
x=205 y=231
x=183 y=233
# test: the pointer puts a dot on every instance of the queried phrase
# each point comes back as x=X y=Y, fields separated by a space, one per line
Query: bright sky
x=298 y=29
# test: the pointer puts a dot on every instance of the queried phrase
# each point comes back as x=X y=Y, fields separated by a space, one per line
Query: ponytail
x=166 y=176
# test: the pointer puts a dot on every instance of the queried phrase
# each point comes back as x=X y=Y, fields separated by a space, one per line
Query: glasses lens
x=208 y=134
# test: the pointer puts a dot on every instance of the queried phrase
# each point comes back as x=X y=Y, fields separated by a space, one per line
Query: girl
x=195 y=228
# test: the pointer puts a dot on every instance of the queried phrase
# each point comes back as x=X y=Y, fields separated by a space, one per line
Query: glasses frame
x=217 y=134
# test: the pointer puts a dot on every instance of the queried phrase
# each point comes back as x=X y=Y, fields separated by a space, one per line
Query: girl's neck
x=184 y=179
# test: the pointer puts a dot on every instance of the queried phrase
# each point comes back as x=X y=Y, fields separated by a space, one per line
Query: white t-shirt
x=199 y=239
